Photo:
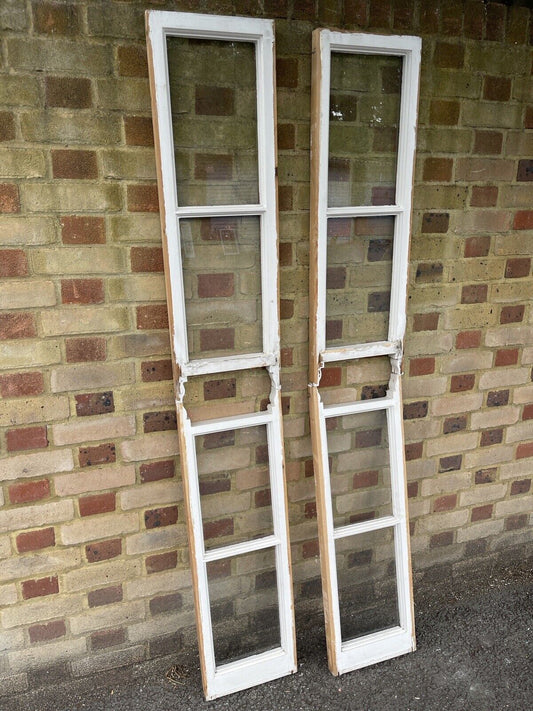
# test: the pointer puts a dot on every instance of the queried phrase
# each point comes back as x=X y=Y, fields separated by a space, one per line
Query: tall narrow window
x=213 y=103
x=365 y=92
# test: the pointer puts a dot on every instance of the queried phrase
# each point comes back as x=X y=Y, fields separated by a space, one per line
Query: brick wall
x=94 y=563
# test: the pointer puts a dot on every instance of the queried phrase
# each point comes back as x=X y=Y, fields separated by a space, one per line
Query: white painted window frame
x=219 y=680
x=346 y=655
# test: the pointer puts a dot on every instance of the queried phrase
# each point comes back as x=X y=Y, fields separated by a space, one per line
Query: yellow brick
x=480 y=530
x=26 y=231
x=419 y=344
x=156 y=540
x=37 y=409
x=78 y=260
x=482 y=494
x=28 y=353
x=57 y=197
x=443 y=521
x=149 y=343
x=98 y=479
x=158 y=444
x=470 y=316
x=425 y=387
x=87 y=377
x=509 y=336
x=519 y=432
x=452 y=443
x=487 y=456
x=129 y=164
x=146 y=396
x=466 y=362
x=152 y=585
x=504 y=377
x=138 y=228
x=457 y=403
x=494 y=417
x=160 y=492
x=8 y=596
x=107 y=617
x=39 y=515
x=98 y=575
x=33 y=465
x=32 y=658
x=24 y=294
x=108 y=526
x=22 y=163
x=518 y=504
x=446 y=483
x=88 y=430
x=129 y=95
x=137 y=287
x=514 y=470
x=79 y=319
x=38 y=563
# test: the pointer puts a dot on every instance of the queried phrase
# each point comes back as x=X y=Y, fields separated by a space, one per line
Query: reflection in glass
x=363 y=129
x=214 y=119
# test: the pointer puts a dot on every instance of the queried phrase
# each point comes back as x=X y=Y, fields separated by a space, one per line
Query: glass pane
x=364 y=116
x=244 y=605
x=234 y=485
x=222 y=278
x=214 y=120
x=366 y=574
x=358 y=279
x=358 y=448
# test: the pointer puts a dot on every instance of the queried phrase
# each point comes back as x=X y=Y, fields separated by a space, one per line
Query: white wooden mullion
x=258 y=668
x=370 y=648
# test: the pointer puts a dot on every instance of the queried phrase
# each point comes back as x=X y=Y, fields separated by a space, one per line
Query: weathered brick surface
x=90 y=483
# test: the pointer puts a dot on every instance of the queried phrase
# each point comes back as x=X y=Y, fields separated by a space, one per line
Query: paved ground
x=475 y=653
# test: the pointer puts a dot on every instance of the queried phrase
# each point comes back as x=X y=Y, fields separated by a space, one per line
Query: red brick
x=528 y=412
x=74 y=165
x=52 y=18
x=477 y=246
x=286 y=136
x=36 y=540
x=285 y=254
x=216 y=285
x=438 y=540
x=138 y=131
x=40 y=587
x=261 y=454
x=426 y=322
x=364 y=516
x=473 y=19
x=336 y=278
x=97 y=504
x=371 y=392
x=85 y=350
x=146 y=259
x=451 y=463
x=285 y=198
x=152 y=316
x=517 y=268
x=165 y=603
x=333 y=330
x=156 y=370
x=484 y=196
x=219 y=439
x=380 y=13
x=9 y=198
x=17 y=325
x=287 y=73
x=379 y=250
x=495 y=22
x=413 y=450
x=512 y=523
x=68 y=92
x=412 y=490
x=213 y=166
x=29 y=491
x=488 y=142
x=7 y=126
x=214 y=101
x=528 y=122
x=438 y=170
x=310 y=549
x=497 y=398
x=286 y=309
x=99 y=454
x=154 y=471
x=47 y=631
x=82 y=291
x=368 y=438
x=13 y=263
x=107 y=638
x=521 y=486
x=496 y=88
x=435 y=222
x=220 y=389
x=449 y=56
x=161 y=561
x=159 y=421
x=378 y=302
x=132 y=61
x=451 y=17
x=415 y=410
x=214 y=339
x=331 y=375
x=26 y=438
x=523 y=220
x=454 y=424
x=310 y=509
x=383 y=195
x=82 y=230
x=363 y=480
x=105 y=596
x=525 y=170
x=142 y=198
x=444 y=113
x=157 y=518
x=429 y=272
x=94 y=404
x=445 y=503
x=468 y=339
x=485 y=476
x=490 y=437
x=286 y=357
x=218 y=529
x=481 y=513
x=474 y=294
x=262 y=498
x=103 y=550
x=506 y=356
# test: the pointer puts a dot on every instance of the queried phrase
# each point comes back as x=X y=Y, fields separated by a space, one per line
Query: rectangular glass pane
x=359 y=459
x=213 y=97
x=244 y=605
x=234 y=485
x=366 y=574
x=358 y=279
x=222 y=279
x=364 y=115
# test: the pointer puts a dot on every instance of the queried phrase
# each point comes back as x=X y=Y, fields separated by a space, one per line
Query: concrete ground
x=475 y=653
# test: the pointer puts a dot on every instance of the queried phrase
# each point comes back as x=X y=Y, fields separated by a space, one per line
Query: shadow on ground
x=475 y=653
